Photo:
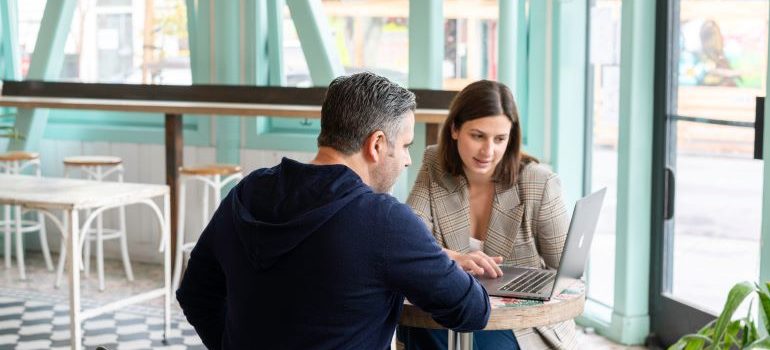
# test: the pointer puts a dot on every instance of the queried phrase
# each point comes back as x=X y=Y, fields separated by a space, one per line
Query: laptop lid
x=582 y=226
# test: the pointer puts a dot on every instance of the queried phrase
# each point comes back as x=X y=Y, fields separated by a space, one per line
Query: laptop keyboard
x=532 y=281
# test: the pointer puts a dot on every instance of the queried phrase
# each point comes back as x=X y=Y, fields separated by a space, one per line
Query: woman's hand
x=477 y=263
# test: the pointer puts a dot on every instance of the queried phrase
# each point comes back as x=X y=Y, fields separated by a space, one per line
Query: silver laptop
x=539 y=284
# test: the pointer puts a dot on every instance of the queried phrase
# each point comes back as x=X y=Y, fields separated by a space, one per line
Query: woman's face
x=481 y=143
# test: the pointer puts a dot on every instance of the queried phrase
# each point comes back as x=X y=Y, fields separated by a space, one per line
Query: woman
x=487 y=202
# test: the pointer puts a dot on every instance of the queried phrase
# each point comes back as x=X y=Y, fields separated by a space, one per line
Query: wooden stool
x=211 y=177
x=15 y=163
x=98 y=168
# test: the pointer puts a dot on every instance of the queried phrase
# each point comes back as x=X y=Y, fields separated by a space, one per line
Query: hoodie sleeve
x=417 y=267
x=202 y=292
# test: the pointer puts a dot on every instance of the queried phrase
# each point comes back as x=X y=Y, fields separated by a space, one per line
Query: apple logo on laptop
x=580 y=244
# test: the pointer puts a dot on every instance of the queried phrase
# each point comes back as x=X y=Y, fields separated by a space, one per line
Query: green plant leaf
x=750 y=329
x=746 y=339
x=679 y=345
x=734 y=299
x=762 y=343
x=695 y=342
x=731 y=334
x=764 y=310
x=690 y=342
x=708 y=329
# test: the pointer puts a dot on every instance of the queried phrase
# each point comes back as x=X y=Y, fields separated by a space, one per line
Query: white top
x=57 y=193
x=476 y=244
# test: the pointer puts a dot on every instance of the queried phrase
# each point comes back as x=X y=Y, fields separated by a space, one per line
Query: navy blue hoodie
x=304 y=256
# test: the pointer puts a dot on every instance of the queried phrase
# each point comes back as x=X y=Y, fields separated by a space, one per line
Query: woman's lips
x=482 y=163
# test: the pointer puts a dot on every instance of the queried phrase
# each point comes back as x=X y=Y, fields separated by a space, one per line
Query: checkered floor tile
x=27 y=322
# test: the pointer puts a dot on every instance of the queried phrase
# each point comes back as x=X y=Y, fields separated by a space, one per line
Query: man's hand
x=477 y=263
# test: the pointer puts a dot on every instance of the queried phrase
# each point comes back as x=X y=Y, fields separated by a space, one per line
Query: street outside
x=717 y=220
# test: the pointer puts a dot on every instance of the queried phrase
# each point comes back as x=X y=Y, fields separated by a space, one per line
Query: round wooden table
x=508 y=313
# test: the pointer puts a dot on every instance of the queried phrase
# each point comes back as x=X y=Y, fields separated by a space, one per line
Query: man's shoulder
x=386 y=208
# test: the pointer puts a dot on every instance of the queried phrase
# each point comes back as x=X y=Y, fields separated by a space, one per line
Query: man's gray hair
x=358 y=105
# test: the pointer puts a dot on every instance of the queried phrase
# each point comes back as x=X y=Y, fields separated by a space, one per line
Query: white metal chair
x=98 y=168
x=17 y=162
x=212 y=178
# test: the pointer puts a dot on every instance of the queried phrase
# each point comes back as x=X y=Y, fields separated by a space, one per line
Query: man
x=316 y=256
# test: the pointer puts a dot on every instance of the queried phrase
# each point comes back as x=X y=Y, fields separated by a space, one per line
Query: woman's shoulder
x=534 y=173
x=430 y=154
x=431 y=163
x=431 y=160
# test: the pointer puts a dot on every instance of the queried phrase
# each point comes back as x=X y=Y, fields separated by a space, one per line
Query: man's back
x=303 y=256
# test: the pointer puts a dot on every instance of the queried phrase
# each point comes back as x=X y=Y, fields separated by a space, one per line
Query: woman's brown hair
x=484 y=98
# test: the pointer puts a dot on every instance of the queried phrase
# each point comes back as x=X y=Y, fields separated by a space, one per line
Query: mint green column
x=270 y=38
x=9 y=40
x=533 y=123
x=45 y=64
x=275 y=42
x=426 y=44
x=228 y=69
x=630 y=318
x=257 y=60
x=426 y=57
x=316 y=40
x=199 y=38
x=764 y=254
x=568 y=95
x=9 y=53
x=255 y=64
x=512 y=54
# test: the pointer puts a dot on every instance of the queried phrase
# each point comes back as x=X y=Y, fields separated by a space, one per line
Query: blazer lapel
x=452 y=212
x=504 y=222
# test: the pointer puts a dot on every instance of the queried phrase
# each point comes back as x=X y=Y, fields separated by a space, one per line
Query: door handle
x=669 y=192
x=759 y=127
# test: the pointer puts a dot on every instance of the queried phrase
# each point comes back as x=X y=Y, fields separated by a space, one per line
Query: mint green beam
x=315 y=37
x=426 y=44
x=512 y=54
x=199 y=41
x=533 y=123
x=9 y=49
x=426 y=57
x=275 y=42
x=568 y=100
x=45 y=64
x=255 y=63
x=199 y=38
x=228 y=33
x=630 y=318
x=256 y=45
x=9 y=34
x=764 y=254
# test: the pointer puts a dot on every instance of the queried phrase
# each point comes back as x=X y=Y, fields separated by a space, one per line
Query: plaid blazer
x=527 y=227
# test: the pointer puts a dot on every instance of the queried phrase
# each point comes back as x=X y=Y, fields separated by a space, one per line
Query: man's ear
x=374 y=146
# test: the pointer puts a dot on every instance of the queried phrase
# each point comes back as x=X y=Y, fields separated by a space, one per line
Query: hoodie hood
x=276 y=209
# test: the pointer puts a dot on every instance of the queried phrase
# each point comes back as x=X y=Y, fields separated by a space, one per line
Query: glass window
x=603 y=109
x=117 y=41
x=722 y=68
x=374 y=36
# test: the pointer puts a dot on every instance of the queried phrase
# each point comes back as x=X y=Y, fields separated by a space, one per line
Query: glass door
x=710 y=187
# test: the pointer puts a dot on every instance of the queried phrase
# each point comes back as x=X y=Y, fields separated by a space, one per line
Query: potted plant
x=728 y=333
